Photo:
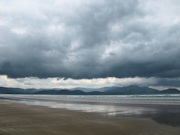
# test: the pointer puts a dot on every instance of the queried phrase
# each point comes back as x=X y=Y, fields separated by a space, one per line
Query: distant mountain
x=5 y=90
x=170 y=91
x=84 y=89
x=129 y=90
x=106 y=88
x=61 y=92
x=68 y=92
x=94 y=89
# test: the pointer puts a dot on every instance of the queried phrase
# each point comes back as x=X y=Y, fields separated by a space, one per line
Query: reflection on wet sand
x=166 y=114
x=21 y=119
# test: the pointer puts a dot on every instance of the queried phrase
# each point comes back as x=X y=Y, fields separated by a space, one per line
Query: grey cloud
x=168 y=82
x=87 y=40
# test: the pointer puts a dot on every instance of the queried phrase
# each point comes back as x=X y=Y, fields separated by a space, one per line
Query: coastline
x=20 y=119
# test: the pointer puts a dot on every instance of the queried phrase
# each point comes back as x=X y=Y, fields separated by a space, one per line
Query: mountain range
x=129 y=90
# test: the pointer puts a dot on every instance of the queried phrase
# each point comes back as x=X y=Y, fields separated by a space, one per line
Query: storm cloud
x=90 y=39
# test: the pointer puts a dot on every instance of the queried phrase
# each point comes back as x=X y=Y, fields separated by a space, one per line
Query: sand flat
x=20 y=119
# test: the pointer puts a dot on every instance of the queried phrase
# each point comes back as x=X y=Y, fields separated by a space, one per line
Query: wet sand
x=20 y=119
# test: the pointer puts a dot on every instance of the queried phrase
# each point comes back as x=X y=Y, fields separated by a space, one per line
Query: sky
x=78 y=43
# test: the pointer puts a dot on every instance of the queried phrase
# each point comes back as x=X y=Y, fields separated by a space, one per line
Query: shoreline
x=30 y=97
x=93 y=102
x=19 y=119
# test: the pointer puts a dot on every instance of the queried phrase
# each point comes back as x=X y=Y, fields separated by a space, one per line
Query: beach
x=21 y=119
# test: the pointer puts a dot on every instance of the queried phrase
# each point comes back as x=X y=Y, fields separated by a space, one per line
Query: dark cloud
x=87 y=40
x=168 y=82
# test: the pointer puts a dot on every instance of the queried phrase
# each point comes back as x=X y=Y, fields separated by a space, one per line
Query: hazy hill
x=61 y=92
x=84 y=89
x=132 y=90
x=4 y=90
x=68 y=92
x=172 y=91
x=94 y=89
x=129 y=90
x=103 y=89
